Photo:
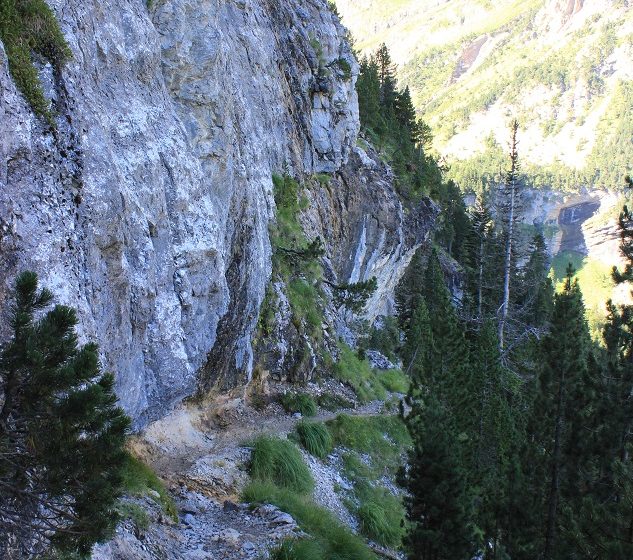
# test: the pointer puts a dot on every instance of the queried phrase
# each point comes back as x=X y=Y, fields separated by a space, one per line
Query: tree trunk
x=511 y=185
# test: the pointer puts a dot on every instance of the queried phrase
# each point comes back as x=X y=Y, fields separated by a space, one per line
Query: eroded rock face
x=147 y=209
x=366 y=232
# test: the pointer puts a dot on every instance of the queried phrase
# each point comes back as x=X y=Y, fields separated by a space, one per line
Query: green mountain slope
x=564 y=68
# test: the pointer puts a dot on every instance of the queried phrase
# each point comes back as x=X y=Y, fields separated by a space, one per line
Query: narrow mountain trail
x=201 y=451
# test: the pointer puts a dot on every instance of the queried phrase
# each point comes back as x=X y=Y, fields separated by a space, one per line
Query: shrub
x=299 y=402
x=315 y=437
x=279 y=461
x=30 y=26
x=139 y=478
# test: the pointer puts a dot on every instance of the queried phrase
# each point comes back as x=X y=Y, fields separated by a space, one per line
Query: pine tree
x=565 y=357
x=509 y=218
x=450 y=351
x=477 y=251
x=61 y=433
x=418 y=347
x=406 y=116
x=535 y=290
x=408 y=292
x=387 y=77
x=437 y=499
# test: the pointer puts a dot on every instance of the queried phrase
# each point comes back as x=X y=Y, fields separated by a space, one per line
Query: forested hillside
x=562 y=68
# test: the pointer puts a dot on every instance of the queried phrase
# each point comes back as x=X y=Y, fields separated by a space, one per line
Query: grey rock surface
x=148 y=208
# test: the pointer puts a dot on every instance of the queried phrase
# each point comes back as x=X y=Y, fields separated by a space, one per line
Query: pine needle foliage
x=61 y=432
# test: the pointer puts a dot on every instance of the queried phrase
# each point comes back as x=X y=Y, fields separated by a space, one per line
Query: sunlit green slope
x=562 y=67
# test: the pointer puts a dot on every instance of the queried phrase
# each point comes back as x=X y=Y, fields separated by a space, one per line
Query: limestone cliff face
x=147 y=208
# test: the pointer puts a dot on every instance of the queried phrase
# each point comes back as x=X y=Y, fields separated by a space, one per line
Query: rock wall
x=147 y=208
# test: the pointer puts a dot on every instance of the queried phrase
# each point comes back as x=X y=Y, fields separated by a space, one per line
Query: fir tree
x=61 y=433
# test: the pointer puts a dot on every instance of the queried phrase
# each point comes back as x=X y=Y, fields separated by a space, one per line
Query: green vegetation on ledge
x=28 y=26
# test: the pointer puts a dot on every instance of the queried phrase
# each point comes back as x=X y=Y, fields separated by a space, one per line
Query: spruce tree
x=61 y=433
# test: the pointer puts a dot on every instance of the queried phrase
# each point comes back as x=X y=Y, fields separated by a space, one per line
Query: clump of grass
x=279 y=461
x=380 y=514
x=358 y=374
x=394 y=380
x=304 y=298
x=323 y=179
x=333 y=539
x=315 y=437
x=383 y=438
x=299 y=402
x=293 y=549
x=332 y=402
x=28 y=26
x=135 y=513
x=139 y=479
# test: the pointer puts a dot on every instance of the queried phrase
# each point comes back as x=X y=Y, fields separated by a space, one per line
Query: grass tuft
x=381 y=437
x=135 y=513
x=359 y=375
x=332 y=402
x=394 y=380
x=299 y=402
x=279 y=461
x=334 y=540
x=303 y=549
x=138 y=479
x=380 y=515
x=315 y=437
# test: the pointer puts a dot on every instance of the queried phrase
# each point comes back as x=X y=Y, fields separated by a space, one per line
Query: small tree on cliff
x=61 y=433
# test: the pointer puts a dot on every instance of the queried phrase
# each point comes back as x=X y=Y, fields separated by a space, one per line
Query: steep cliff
x=147 y=207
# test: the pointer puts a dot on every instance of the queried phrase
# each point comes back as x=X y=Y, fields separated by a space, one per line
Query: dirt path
x=199 y=451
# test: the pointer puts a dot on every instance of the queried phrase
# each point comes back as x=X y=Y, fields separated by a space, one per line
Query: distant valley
x=563 y=68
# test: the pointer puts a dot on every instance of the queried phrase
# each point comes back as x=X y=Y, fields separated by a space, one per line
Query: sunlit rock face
x=147 y=208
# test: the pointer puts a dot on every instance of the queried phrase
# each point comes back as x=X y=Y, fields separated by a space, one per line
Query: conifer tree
x=61 y=433
x=408 y=291
x=387 y=76
x=450 y=351
x=509 y=219
x=437 y=499
x=477 y=251
x=536 y=290
x=565 y=357
x=418 y=347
